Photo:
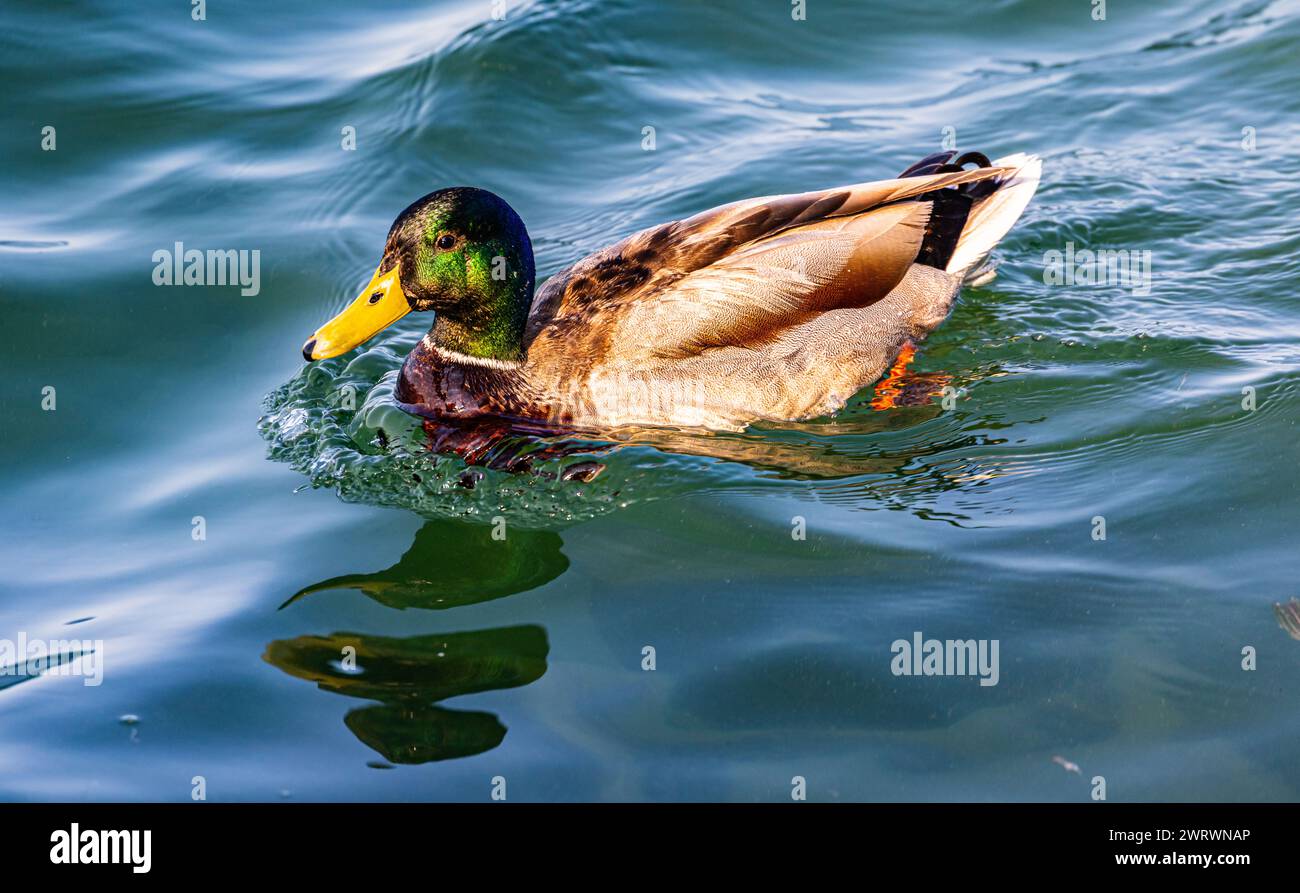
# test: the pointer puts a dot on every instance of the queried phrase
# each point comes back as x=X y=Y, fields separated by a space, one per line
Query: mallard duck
x=776 y=308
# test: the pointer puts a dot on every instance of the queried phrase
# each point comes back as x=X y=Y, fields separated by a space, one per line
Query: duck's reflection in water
x=452 y=563
x=408 y=676
x=449 y=564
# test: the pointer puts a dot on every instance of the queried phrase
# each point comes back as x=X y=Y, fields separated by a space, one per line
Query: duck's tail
x=968 y=221
x=992 y=217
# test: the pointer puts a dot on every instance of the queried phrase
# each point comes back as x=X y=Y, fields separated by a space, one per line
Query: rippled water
x=1165 y=128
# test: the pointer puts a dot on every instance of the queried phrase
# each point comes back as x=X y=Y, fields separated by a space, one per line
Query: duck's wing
x=735 y=274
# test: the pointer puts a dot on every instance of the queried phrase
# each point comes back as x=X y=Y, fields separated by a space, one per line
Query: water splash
x=338 y=423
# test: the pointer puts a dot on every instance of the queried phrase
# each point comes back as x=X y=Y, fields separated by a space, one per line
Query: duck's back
x=771 y=308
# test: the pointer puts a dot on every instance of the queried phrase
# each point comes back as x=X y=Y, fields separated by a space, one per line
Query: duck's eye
x=446 y=241
x=376 y=297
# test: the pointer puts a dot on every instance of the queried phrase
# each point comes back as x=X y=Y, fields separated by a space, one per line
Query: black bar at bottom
x=304 y=841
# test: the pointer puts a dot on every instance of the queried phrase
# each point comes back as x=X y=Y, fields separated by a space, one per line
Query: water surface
x=522 y=657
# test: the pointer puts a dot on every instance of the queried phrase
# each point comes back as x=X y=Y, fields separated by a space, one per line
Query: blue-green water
x=1169 y=128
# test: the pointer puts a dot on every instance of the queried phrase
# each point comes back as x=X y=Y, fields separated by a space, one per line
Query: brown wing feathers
x=730 y=273
x=748 y=296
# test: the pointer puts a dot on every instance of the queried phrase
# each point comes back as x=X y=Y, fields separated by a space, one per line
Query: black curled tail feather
x=950 y=207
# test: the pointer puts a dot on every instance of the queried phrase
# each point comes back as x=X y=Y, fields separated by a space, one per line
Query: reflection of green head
x=451 y=563
x=466 y=255
x=419 y=669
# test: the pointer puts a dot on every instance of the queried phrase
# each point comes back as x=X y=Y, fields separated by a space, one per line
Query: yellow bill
x=380 y=304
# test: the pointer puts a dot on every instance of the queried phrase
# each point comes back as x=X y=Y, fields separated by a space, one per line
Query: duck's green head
x=462 y=253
